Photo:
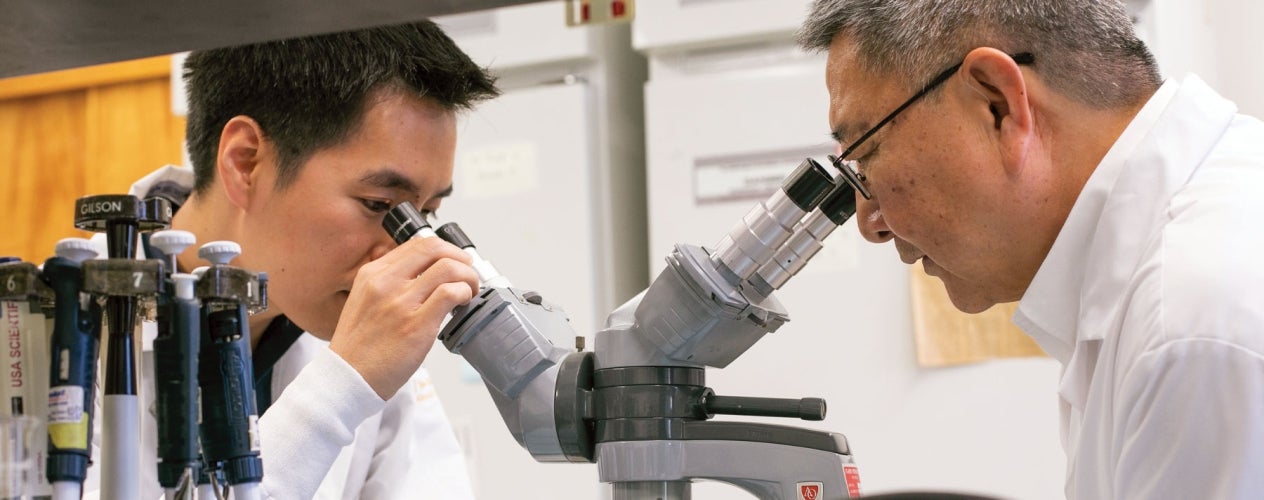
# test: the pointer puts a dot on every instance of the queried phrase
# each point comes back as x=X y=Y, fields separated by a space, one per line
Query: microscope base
x=766 y=470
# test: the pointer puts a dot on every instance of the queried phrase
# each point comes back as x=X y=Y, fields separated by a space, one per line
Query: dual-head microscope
x=638 y=404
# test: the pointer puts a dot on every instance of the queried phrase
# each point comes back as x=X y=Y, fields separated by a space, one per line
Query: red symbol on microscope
x=851 y=474
x=809 y=491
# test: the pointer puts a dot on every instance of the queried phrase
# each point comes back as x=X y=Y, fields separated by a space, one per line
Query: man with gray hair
x=1049 y=163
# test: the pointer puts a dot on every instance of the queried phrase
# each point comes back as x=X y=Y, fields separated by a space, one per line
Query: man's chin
x=967 y=301
x=318 y=327
x=971 y=306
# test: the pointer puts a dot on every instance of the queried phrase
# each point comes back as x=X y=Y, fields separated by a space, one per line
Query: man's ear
x=1001 y=101
x=241 y=152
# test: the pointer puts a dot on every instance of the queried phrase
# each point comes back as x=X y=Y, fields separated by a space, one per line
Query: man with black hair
x=299 y=147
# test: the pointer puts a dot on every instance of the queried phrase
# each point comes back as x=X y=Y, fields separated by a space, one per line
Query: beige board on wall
x=68 y=134
x=945 y=336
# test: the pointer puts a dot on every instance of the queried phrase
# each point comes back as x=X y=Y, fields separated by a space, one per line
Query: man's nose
x=381 y=246
x=870 y=221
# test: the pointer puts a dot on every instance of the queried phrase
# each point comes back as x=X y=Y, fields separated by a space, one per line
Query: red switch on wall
x=588 y=12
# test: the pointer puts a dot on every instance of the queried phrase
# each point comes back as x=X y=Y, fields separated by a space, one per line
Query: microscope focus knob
x=219 y=253
x=75 y=249
x=172 y=242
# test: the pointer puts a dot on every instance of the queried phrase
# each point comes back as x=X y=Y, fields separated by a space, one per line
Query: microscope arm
x=538 y=387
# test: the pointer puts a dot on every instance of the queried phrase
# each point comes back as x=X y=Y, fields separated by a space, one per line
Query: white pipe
x=247 y=491
x=206 y=492
x=67 y=490
x=120 y=447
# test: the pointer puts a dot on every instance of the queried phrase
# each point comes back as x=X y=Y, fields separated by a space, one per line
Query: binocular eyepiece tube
x=755 y=240
x=405 y=222
x=809 y=237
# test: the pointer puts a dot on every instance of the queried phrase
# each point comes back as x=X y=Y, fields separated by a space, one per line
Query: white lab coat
x=1152 y=297
x=327 y=434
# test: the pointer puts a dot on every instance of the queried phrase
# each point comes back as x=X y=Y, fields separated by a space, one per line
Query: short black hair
x=311 y=93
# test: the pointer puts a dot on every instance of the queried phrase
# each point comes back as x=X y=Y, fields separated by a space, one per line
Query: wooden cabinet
x=75 y=133
x=947 y=337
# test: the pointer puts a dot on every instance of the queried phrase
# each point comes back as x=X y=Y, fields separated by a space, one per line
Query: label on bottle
x=65 y=404
x=255 y=445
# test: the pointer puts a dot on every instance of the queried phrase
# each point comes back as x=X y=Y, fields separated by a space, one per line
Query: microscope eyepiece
x=840 y=204
x=808 y=184
x=404 y=221
x=453 y=234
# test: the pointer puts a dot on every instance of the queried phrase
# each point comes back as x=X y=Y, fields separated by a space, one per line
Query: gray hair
x=1085 y=49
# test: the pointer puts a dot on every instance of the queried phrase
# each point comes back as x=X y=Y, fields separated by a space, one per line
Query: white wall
x=1219 y=40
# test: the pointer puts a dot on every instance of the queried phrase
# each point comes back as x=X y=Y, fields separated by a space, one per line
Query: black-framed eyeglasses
x=857 y=179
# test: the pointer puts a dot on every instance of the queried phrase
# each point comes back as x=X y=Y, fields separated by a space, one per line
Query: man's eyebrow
x=390 y=179
x=445 y=193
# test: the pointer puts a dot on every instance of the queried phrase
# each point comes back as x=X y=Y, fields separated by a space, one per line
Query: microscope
x=638 y=405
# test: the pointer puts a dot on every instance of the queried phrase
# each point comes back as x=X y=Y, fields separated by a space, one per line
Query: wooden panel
x=946 y=336
x=83 y=78
x=41 y=161
x=57 y=147
x=130 y=132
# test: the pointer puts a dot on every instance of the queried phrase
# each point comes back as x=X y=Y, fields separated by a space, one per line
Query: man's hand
x=396 y=305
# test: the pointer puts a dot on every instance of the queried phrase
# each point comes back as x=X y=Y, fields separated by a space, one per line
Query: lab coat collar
x=170 y=174
x=1078 y=288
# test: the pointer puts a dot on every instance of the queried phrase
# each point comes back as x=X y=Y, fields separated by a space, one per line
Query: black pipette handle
x=72 y=371
x=229 y=411
x=176 y=352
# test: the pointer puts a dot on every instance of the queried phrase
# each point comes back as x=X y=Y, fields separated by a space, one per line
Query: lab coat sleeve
x=416 y=455
x=1192 y=418
x=307 y=427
